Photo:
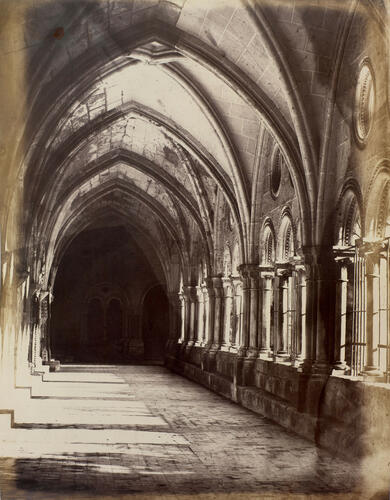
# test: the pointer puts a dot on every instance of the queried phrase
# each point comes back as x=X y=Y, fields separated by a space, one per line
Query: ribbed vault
x=238 y=152
x=165 y=102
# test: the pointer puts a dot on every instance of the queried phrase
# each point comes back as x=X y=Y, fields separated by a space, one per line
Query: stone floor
x=143 y=432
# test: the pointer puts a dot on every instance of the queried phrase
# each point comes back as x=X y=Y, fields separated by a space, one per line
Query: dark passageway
x=103 y=299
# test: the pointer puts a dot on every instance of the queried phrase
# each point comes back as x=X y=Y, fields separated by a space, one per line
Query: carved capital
x=248 y=273
x=283 y=270
x=217 y=281
x=372 y=248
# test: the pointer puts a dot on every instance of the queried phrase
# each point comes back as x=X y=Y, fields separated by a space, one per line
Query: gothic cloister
x=194 y=245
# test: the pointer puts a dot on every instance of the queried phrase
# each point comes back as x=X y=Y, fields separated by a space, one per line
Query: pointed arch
x=267 y=245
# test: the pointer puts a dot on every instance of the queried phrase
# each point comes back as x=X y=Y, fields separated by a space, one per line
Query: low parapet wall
x=347 y=416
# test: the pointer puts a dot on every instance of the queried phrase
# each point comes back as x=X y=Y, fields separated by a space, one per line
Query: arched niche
x=286 y=247
x=349 y=226
x=382 y=226
x=267 y=245
x=376 y=218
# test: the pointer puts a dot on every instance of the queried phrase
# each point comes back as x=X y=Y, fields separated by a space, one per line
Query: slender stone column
x=291 y=309
x=191 y=295
x=189 y=313
x=236 y=323
x=50 y=299
x=40 y=347
x=244 y=339
x=283 y=349
x=267 y=276
x=218 y=312
x=200 y=316
x=254 y=318
x=210 y=312
x=195 y=321
x=205 y=314
x=182 y=318
x=372 y=252
x=345 y=262
x=227 y=313
x=301 y=332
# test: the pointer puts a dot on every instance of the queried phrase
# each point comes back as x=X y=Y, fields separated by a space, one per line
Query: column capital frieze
x=227 y=281
x=267 y=272
x=235 y=279
x=266 y=268
x=372 y=247
x=213 y=282
x=217 y=280
x=283 y=269
x=344 y=255
x=248 y=271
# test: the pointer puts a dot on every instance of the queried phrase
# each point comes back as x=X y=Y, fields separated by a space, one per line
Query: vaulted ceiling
x=146 y=110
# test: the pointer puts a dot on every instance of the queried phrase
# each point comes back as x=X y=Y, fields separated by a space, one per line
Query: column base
x=182 y=346
x=372 y=372
x=188 y=347
x=282 y=357
x=54 y=365
x=265 y=354
x=340 y=368
x=241 y=353
x=251 y=353
x=297 y=362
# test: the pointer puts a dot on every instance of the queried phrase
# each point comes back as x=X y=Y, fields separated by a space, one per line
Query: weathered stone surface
x=241 y=149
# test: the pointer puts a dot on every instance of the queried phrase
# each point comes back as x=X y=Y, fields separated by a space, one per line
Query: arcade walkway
x=143 y=432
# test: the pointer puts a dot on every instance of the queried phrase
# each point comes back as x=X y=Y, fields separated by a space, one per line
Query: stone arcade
x=204 y=185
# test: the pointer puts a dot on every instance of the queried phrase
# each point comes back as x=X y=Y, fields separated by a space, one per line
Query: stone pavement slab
x=159 y=436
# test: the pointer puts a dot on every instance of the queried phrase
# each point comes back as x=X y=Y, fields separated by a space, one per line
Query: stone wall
x=330 y=411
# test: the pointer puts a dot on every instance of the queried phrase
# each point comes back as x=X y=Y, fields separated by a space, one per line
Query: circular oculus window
x=276 y=172
x=365 y=100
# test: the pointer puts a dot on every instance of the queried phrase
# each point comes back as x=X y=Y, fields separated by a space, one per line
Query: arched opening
x=155 y=323
x=100 y=278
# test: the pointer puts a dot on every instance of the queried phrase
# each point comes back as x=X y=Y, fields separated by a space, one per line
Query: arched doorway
x=155 y=323
x=100 y=279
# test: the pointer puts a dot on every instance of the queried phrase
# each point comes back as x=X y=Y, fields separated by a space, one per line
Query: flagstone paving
x=144 y=432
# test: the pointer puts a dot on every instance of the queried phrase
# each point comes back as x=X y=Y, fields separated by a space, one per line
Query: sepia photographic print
x=194 y=249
